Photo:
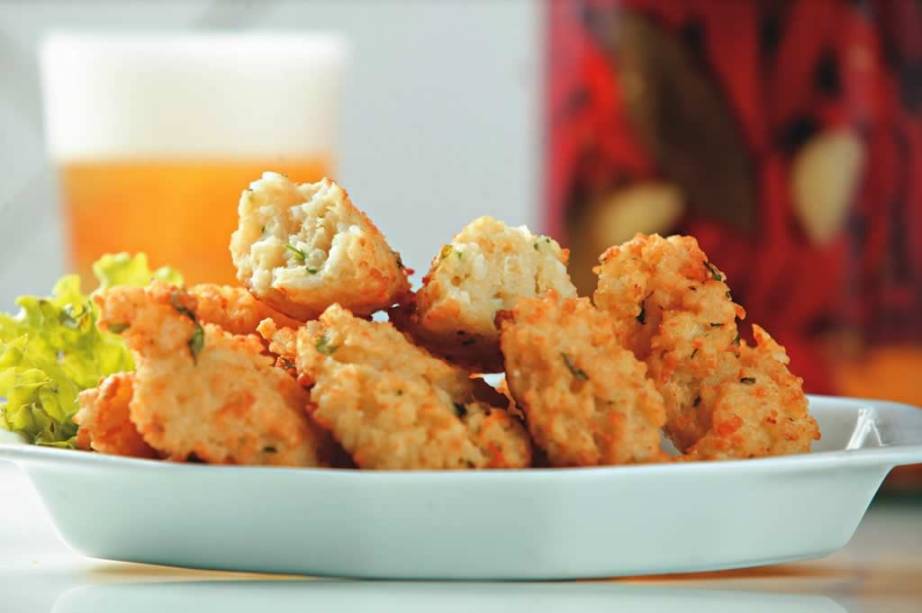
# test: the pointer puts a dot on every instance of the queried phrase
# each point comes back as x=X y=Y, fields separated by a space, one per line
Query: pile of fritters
x=291 y=369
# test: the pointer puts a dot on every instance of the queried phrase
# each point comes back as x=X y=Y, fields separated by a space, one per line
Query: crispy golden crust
x=392 y=405
x=282 y=344
x=497 y=434
x=586 y=399
x=304 y=247
x=672 y=307
x=202 y=392
x=234 y=309
x=486 y=268
x=105 y=425
x=759 y=408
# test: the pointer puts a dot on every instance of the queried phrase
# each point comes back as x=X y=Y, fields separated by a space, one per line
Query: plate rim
x=885 y=456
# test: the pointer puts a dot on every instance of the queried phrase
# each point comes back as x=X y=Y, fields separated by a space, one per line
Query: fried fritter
x=759 y=408
x=485 y=268
x=104 y=422
x=586 y=398
x=304 y=247
x=205 y=393
x=392 y=405
x=673 y=309
x=234 y=309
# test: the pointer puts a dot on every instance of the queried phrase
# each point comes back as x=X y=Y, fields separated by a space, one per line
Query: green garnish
x=716 y=325
x=447 y=250
x=298 y=253
x=460 y=409
x=736 y=340
x=196 y=341
x=118 y=328
x=577 y=372
x=301 y=257
x=52 y=350
x=747 y=380
x=715 y=274
x=180 y=307
x=323 y=345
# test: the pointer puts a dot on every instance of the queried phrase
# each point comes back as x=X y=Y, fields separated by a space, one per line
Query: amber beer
x=154 y=137
x=181 y=212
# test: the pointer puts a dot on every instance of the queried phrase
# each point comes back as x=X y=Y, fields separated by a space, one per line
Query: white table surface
x=880 y=570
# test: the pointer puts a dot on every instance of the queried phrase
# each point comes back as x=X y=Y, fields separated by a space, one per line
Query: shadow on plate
x=380 y=596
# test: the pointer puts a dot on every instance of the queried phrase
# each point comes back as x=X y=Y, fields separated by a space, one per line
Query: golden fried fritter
x=105 y=425
x=670 y=306
x=304 y=247
x=202 y=392
x=759 y=408
x=586 y=398
x=673 y=309
x=392 y=405
x=234 y=309
x=485 y=268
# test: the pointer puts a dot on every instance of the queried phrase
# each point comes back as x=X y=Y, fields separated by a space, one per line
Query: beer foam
x=213 y=95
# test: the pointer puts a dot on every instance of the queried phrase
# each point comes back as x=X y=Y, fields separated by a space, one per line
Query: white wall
x=440 y=114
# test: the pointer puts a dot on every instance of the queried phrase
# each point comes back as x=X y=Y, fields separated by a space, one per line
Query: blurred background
x=786 y=136
x=439 y=120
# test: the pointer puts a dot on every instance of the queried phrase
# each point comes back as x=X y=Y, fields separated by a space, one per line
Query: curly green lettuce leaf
x=37 y=405
x=51 y=350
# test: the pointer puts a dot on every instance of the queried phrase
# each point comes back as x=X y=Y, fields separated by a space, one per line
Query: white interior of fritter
x=487 y=282
x=302 y=229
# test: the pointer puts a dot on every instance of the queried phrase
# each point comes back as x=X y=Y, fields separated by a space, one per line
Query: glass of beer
x=155 y=136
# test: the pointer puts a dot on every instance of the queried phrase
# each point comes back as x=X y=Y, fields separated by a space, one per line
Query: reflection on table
x=333 y=595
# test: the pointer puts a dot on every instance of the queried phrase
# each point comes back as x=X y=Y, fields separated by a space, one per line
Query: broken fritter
x=487 y=267
x=302 y=247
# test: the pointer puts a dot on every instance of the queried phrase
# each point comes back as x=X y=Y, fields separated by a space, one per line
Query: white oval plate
x=525 y=524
